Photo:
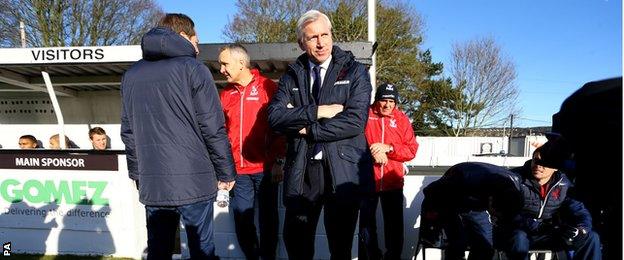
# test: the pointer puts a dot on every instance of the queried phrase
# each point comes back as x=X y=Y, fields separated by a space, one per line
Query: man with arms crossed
x=177 y=148
x=322 y=107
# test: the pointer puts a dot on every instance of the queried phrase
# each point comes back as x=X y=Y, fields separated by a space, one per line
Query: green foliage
x=266 y=20
x=433 y=100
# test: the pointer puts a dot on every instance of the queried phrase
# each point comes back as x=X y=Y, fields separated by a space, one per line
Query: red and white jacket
x=395 y=130
x=254 y=146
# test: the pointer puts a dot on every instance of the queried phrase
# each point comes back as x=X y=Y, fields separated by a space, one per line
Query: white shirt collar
x=324 y=65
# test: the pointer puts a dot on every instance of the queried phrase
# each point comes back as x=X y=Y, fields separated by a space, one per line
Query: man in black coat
x=322 y=106
x=177 y=149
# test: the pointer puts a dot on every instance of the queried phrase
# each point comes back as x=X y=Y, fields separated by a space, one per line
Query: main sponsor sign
x=90 y=54
x=52 y=203
x=96 y=162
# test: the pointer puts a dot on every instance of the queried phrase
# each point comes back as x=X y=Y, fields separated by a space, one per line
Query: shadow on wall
x=226 y=244
x=27 y=227
x=85 y=222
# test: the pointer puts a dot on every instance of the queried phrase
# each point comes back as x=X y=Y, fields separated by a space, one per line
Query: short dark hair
x=96 y=131
x=178 y=23
x=29 y=137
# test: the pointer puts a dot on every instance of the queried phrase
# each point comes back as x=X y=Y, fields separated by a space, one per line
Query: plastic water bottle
x=223 y=198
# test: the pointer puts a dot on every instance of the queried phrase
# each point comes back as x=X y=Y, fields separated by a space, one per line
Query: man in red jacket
x=255 y=150
x=392 y=142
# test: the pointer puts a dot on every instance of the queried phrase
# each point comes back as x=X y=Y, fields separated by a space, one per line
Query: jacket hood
x=163 y=43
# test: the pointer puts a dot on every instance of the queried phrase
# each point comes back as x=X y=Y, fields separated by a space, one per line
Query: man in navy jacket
x=177 y=149
x=322 y=106
x=550 y=218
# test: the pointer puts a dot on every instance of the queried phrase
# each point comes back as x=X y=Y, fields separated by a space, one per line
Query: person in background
x=56 y=144
x=98 y=138
x=258 y=153
x=177 y=148
x=550 y=218
x=27 y=142
x=392 y=142
x=322 y=106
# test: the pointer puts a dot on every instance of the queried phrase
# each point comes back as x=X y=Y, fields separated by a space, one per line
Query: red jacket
x=245 y=109
x=395 y=130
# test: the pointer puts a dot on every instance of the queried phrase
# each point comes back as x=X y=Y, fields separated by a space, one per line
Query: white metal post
x=372 y=37
x=57 y=109
x=23 y=34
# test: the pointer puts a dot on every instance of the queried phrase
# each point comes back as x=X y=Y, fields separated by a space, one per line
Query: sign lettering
x=69 y=192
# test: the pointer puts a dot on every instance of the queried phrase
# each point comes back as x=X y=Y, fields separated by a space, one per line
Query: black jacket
x=556 y=208
x=172 y=124
x=342 y=137
x=469 y=186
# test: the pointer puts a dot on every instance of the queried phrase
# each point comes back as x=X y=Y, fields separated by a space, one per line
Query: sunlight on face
x=317 y=41
x=26 y=143
x=231 y=66
x=386 y=106
x=98 y=141
x=54 y=143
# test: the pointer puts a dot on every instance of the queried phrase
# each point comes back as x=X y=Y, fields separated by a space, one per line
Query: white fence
x=123 y=228
x=432 y=151
x=446 y=151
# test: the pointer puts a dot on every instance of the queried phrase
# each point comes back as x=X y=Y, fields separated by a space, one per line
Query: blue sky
x=557 y=45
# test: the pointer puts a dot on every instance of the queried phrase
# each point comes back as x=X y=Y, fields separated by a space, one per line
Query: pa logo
x=6 y=249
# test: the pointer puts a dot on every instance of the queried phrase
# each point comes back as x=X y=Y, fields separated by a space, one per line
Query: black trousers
x=392 y=212
x=303 y=213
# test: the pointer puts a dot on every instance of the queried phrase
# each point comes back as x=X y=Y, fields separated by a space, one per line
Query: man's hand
x=574 y=233
x=222 y=185
x=277 y=173
x=378 y=148
x=380 y=158
x=328 y=111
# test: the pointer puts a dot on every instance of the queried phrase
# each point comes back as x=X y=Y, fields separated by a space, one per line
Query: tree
x=266 y=20
x=77 y=22
x=434 y=100
x=5 y=32
x=485 y=80
x=399 y=58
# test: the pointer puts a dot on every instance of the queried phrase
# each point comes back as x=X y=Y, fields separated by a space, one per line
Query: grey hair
x=239 y=51
x=308 y=17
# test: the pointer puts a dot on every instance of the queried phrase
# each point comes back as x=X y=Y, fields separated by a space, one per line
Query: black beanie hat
x=387 y=91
